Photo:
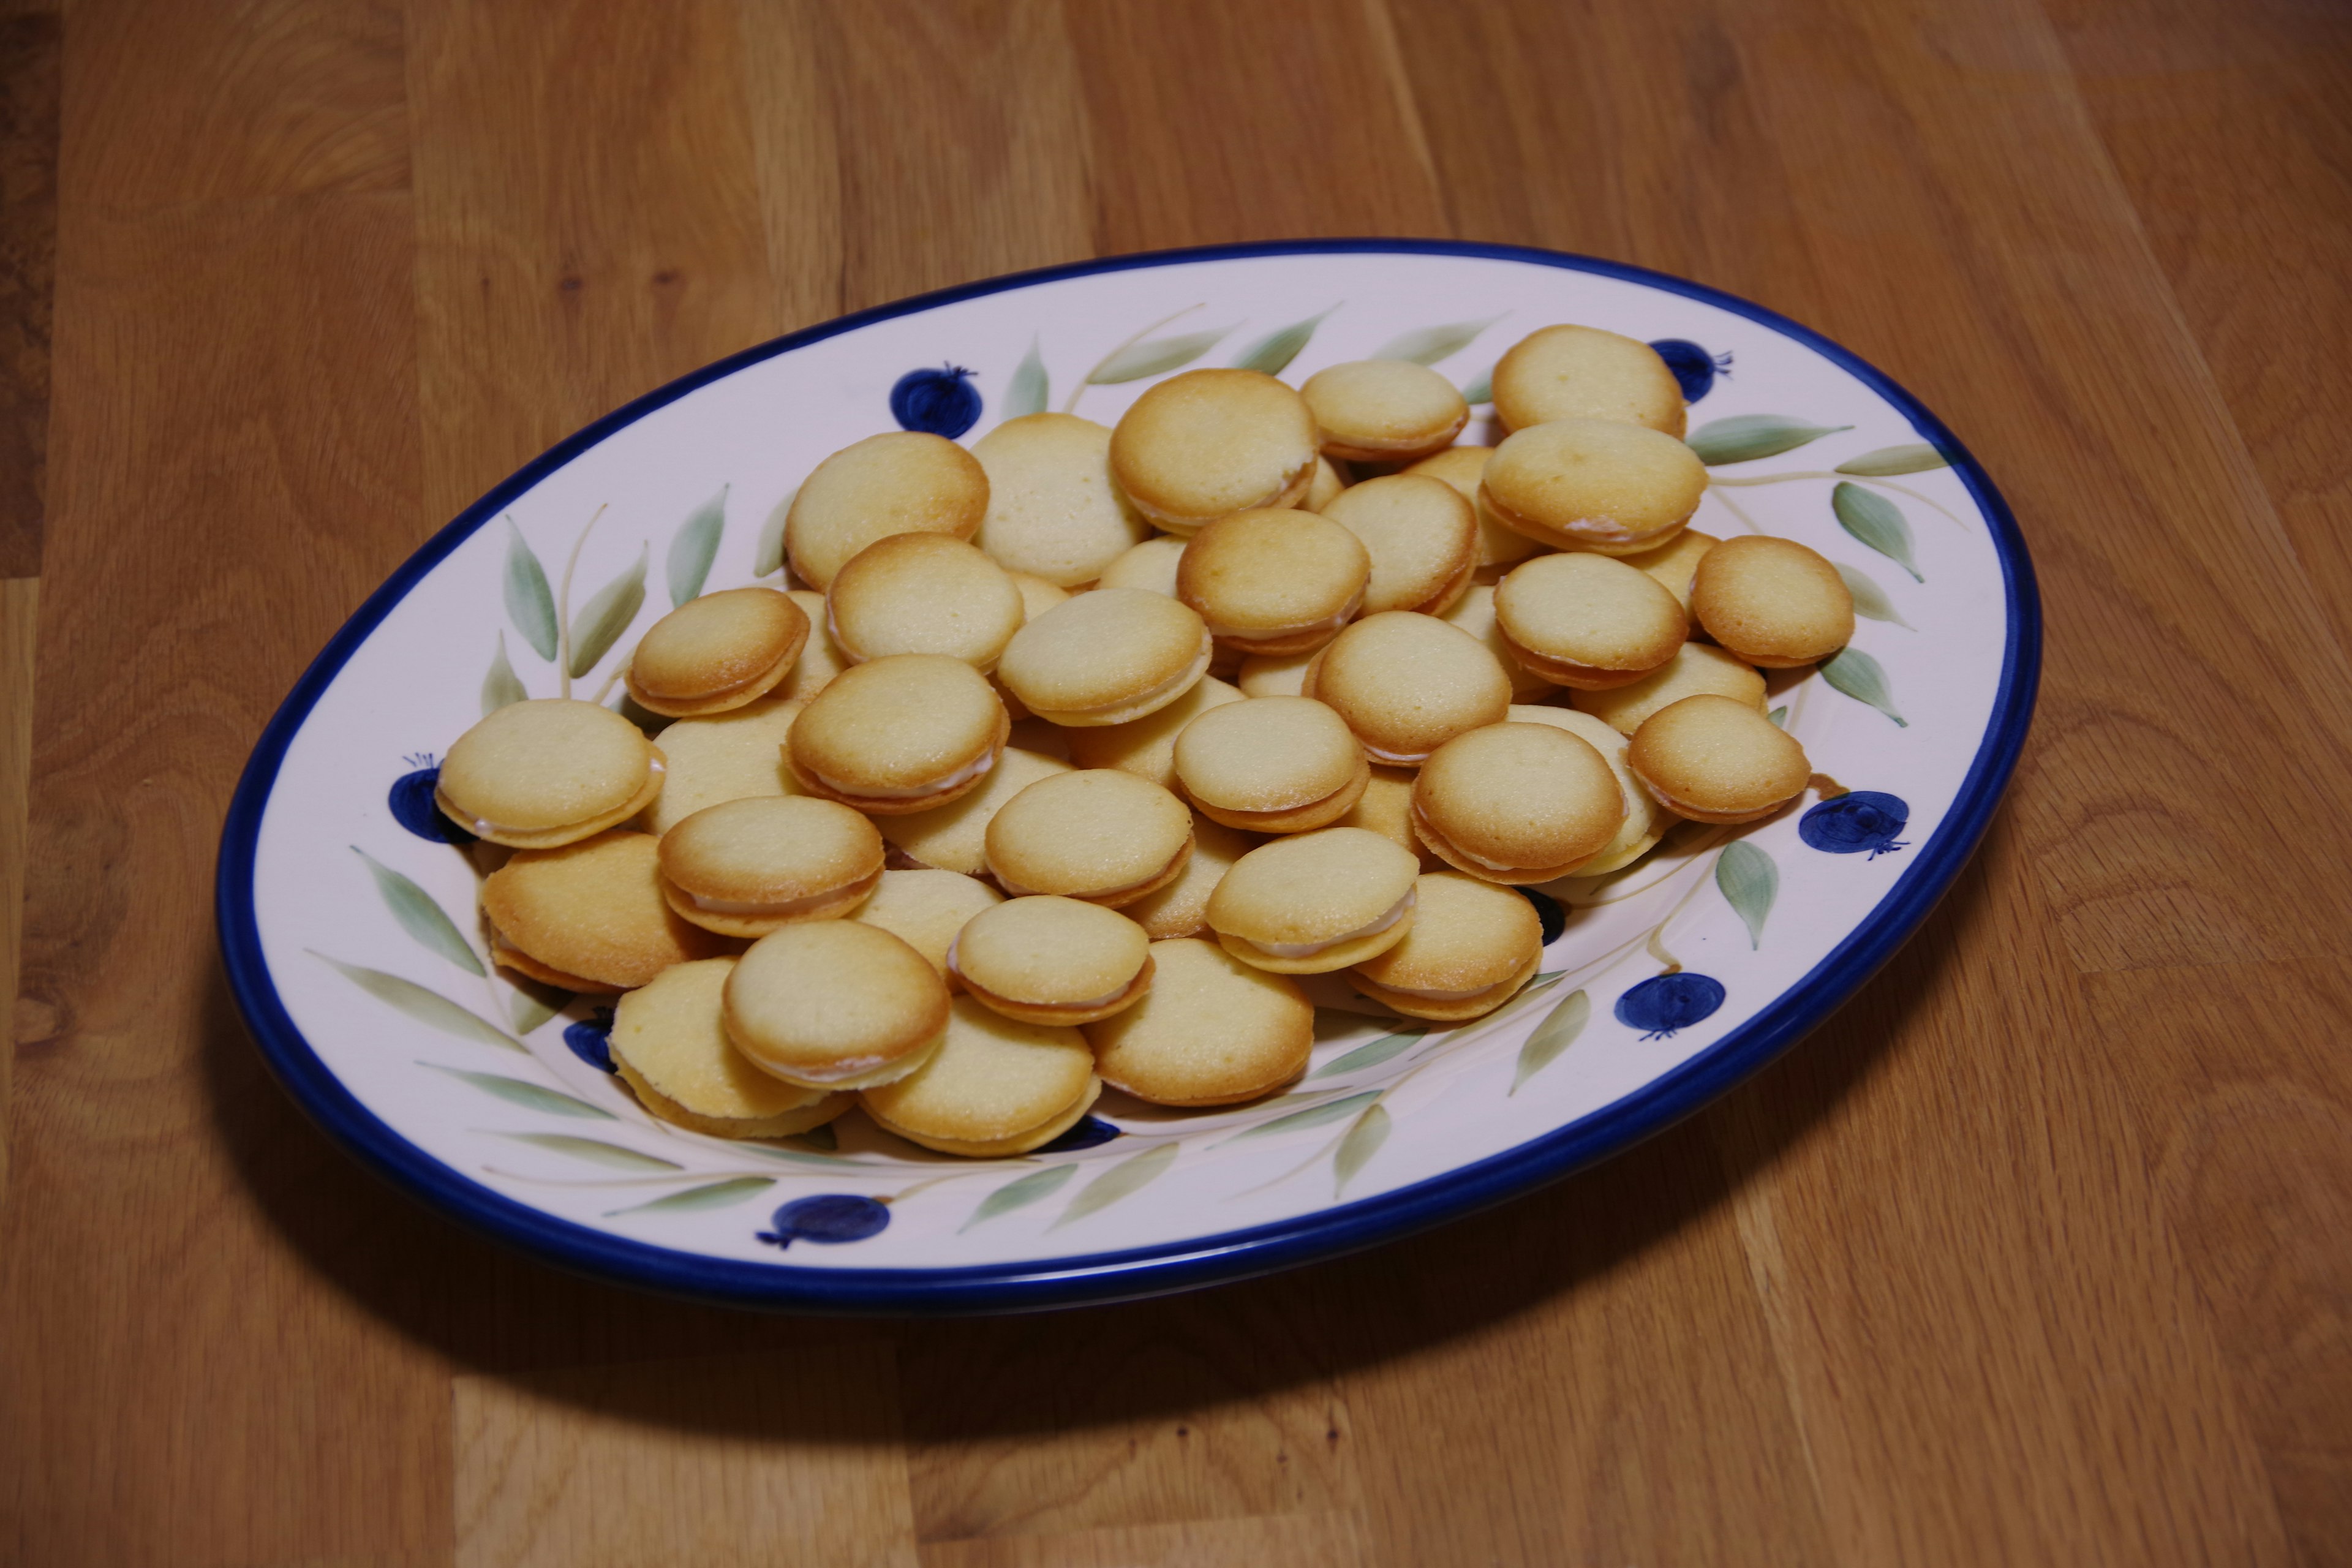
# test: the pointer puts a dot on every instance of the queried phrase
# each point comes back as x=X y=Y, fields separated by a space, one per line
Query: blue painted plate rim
x=1204 y=1261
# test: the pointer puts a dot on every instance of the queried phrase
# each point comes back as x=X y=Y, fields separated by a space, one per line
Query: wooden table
x=2040 y=1252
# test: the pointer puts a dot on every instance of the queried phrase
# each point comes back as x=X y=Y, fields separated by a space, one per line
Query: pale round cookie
x=820 y=658
x=1716 y=759
x=1406 y=684
x=1594 y=484
x=1674 y=562
x=954 y=838
x=903 y=482
x=1386 y=808
x=668 y=1042
x=1588 y=622
x=1151 y=565
x=996 y=1085
x=1383 y=410
x=1462 y=468
x=1274 y=581
x=836 y=1004
x=1772 y=602
x=1312 y=902
x=1037 y=596
x=1328 y=483
x=923 y=592
x=717 y=652
x=1422 y=537
x=1471 y=946
x=925 y=908
x=1518 y=803
x=1053 y=510
x=1109 y=656
x=1645 y=820
x=1053 y=961
x=734 y=755
x=1697 y=667
x=1271 y=764
x=1474 y=612
x=589 y=916
x=1274 y=674
x=747 y=867
x=1584 y=373
x=1208 y=443
x=901 y=734
x=537 y=774
x=1096 y=834
x=1181 y=907
x=1215 y=1030
x=1145 y=747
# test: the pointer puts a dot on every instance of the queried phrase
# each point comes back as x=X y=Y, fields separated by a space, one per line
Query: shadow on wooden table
x=1455 y=1294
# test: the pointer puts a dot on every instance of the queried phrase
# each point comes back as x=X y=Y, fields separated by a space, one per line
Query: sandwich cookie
x=901 y=734
x=717 y=652
x=1181 y=907
x=1471 y=946
x=1328 y=482
x=1592 y=484
x=1109 y=656
x=537 y=774
x=589 y=916
x=1715 y=759
x=901 y=482
x=1053 y=961
x=836 y=1004
x=1406 y=684
x=1097 y=833
x=1053 y=510
x=1583 y=373
x=1422 y=537
x=734 y=755
x=923 y=592
x=820 y=659
x=1645 y=820
x=954 y=838
x=1215 y=1030
x=668 y=1042
x=1462 y=468
x=1271 y=764
x=1313 y=902
x=748 y=867
x=1386 y=808
x=1383 y=410
x=1772 y=602
x=1037 y=596
x=995 y=1087
x=1274 y=581
x=1145 y=747
x=926 y=908
x=1518 y=803
x=1474 y=612
x=1672 y=562
x=1209 y=443
x=1151 y=565
x=1695 y=668
x=1274 y=674
x=1587 y=622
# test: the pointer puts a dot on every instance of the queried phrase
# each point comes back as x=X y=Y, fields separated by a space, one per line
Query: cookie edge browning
x=1134 y=991
x=1476 y=1005
x=657 y=774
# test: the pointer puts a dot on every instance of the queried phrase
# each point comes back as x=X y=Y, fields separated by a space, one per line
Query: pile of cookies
x=1067 y=753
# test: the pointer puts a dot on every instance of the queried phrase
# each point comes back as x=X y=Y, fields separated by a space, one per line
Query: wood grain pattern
x=2035 y=1253
x=31 y=52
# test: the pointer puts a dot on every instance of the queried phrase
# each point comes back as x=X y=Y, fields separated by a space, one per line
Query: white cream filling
x=1394 y=759
x=484 y=827
x=1173 y=683
x=770 y=911
x=1432 y=994
x=1397 y=911
x=1273 y=634
x=1491 y=865
x=971 y=770
x=1105 y=1000
x=1013 y=890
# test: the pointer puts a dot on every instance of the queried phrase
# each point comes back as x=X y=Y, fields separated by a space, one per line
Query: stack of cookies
x=1060 y=760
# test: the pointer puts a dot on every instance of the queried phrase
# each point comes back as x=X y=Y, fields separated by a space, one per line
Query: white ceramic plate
x=354 y=949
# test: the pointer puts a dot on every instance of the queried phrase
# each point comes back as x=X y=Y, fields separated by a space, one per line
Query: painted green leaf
x=1877 y=522
x=1030 y=387
x=1272 y=353
x=1020 y=1193
x=1129 y=1176
x=425 y=1006
x=1313 y=1116
x=1748 y=882
x=1744 y=437
x=529 y=1096
x=694 y=547
x=1779 y=716
x=501 y=686
x=1862 y=678
x=770 y=557
x=533 y=1004
x=1371 y=1054
x=1155 y=356
x=419 y=916
x=1911 y=457
x=1870 y=600
x=714 y=1195
x=598 y=625
x=1553 y=1036
x=1481 y=390
x=1363 y=1141
x=596 y=1151
x=1431 y=345
x=529 y=604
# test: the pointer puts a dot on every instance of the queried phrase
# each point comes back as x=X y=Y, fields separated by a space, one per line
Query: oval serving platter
x=347 y=914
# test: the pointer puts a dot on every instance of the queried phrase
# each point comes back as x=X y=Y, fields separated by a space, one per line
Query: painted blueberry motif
x=830 y=1218
x=1666 y=1004
x=412 y=804
x=591 y=1040
x=1547 y=911
x=1693 y=365
x=942 y=402
x=1085 y=1133
x=1860 y=820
